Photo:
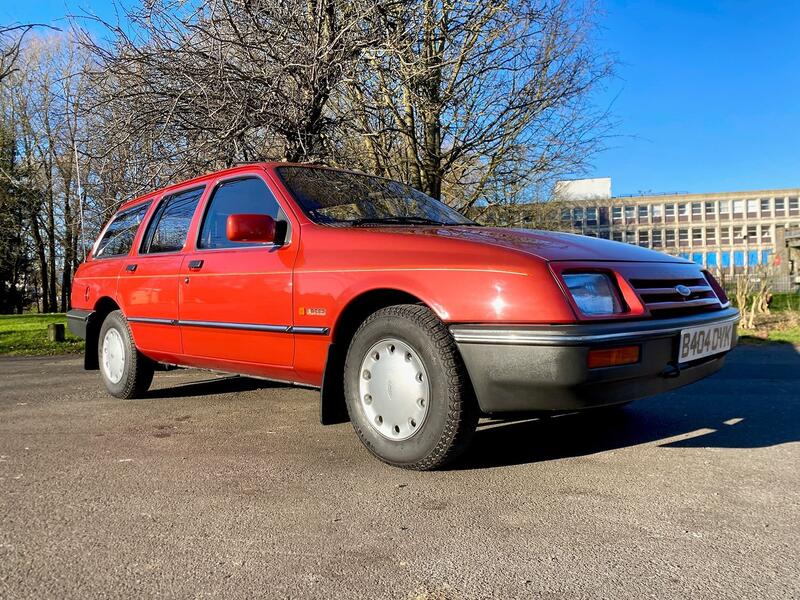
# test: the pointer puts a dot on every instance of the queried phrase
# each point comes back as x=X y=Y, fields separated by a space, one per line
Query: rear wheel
x=126 y=372
x=408 y=393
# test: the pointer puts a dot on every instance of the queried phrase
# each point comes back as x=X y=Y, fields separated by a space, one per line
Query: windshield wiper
x=395 y=221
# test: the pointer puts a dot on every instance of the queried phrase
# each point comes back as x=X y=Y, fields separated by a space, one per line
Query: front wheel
x=407 y=390
x=126 y=372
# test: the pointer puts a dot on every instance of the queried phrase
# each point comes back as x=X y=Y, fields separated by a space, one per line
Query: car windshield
x=341 y=198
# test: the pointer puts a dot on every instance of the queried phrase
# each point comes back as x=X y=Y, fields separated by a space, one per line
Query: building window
x=643 y=211
x=738 y=207
x=577 y=217
x=644 y=237
x=765 y=257
x=752 y=258
x=670 y=238
x=697 y=257
x=683 y=210
x=794 y=206
x=658 y=210
x=616 y=236
x=709 y=210
x=711 y=235
x=739 y=233
x=711 y=260
x=656 y=238
x=752 y=234
x=669 y=211
x=683 y=237
x=630 y=213
x=697 y=210
x=724 y=207
x=766 y=234
x=780 y=205
x=725 y=235
x=725 y=260
x=616 y=213
x=566 y=215
x=752 y=207
x=591 y=216
x=766 y=209
x=697 y=236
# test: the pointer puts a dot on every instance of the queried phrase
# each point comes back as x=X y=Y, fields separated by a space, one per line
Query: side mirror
x=251 y=228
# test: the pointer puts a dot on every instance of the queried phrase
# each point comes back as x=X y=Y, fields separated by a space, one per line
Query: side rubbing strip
x=299 y=330
x=310 y=330
x=243 y=326
x=151 y=321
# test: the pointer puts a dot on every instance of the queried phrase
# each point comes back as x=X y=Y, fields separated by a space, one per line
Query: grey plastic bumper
x=545 y=368
x=78 y=321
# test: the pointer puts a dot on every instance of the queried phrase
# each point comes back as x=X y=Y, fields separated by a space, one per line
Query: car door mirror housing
x=251 y=228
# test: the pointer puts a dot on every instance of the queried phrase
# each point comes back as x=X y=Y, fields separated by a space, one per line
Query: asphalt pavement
x=225 y=487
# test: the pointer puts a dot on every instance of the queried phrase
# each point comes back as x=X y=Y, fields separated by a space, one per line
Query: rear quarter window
x=118 y=237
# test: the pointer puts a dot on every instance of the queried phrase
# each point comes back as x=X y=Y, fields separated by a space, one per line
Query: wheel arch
x=332 y=403
x=102 y=307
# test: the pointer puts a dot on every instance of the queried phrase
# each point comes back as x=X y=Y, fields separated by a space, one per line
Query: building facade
x=731 y=232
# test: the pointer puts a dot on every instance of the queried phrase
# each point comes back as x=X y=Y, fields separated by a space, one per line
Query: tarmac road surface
x=221 y=487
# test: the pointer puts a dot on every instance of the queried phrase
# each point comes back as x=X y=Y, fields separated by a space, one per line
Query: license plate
x=699 y=342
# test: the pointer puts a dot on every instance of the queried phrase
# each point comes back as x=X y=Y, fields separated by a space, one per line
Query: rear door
x=236 y=298
x=148 y=281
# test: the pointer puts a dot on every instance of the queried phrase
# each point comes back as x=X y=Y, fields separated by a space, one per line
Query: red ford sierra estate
x=411 y=319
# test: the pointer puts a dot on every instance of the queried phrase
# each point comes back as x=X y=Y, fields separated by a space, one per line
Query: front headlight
x=593 y=293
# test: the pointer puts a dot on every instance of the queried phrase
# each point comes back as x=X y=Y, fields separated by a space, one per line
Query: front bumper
x=515 y=368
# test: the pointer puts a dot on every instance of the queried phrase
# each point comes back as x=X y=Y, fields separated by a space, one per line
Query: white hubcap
x=393 y=389
x=113 y=356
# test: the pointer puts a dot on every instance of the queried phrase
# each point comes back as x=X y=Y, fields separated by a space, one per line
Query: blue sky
x=707 y=92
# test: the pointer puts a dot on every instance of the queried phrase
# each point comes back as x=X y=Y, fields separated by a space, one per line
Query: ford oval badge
x=682 y=290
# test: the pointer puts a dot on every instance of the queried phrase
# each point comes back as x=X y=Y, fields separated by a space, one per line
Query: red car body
x=279 y=312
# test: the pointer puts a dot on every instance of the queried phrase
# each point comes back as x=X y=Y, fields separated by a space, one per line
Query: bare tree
x=478 y=100
x=215 y=82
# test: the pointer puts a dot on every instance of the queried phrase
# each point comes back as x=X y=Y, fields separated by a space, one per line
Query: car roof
x=241 y=167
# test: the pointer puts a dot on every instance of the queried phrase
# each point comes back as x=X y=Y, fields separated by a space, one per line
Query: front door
x=236 y=298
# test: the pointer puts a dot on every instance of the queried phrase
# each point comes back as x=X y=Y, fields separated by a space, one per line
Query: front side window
x=118 y=237
x=169 y=226
x=238 y=196
x=341 y=198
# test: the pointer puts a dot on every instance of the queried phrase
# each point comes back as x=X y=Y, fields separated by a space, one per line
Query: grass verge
x=26 y=335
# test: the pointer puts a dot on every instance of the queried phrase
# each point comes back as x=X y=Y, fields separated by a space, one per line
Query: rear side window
x=118 y=237
x=169 y=226
x=240 y=196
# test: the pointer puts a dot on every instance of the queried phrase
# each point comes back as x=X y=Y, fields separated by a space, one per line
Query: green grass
x=782 y=302
x=790 y=335
x=26 y=335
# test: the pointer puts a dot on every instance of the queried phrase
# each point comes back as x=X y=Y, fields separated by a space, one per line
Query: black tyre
x=407 y=390
x=126 y=372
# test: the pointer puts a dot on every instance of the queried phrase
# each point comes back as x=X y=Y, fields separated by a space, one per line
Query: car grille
x=661 y=298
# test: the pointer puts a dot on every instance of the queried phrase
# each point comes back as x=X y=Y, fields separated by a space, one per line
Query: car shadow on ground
x=753 y=402
x=213 y=387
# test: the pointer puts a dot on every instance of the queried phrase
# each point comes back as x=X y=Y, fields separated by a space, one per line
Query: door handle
x=195 y=265
x=130 y=267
